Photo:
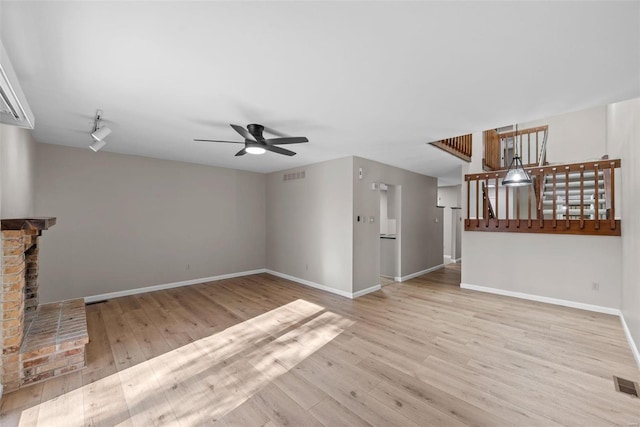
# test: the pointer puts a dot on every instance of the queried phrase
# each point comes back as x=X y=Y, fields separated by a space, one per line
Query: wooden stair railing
x=576 y=198
x=459 y=146
x=499 y=147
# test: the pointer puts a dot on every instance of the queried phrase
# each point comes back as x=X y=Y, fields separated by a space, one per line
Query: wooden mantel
x=38 y=223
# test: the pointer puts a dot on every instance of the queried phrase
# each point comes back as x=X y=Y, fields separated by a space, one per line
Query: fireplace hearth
x=38 y=341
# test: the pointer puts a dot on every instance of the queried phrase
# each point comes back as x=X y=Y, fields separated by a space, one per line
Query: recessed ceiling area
x=373 y=79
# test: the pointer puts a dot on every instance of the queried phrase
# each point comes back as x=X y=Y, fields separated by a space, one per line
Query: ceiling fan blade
x=215 y=140
x=287 y=140
x=279 y=150
x=241 y=152
x=245 y=133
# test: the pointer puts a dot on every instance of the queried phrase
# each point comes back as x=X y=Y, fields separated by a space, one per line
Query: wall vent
x=293 y=175
x=626 y=386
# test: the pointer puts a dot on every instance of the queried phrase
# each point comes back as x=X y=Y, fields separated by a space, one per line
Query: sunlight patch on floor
x=201 y=381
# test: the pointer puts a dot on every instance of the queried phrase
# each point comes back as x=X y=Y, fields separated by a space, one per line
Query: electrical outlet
x=595 y=286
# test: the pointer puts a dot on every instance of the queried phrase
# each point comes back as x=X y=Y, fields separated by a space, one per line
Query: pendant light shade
x=516 y=175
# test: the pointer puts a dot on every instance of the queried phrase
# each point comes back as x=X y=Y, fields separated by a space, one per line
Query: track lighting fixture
x=99 y=132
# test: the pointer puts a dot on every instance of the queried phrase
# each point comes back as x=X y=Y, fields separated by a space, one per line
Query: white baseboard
x=311 y=284
x=632 y=344
x=366 y=291
x=418 y=273
x=109 y=295
x=457 y=260
x=565 y=303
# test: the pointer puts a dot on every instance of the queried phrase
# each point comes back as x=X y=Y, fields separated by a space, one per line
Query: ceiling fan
x=255 y=143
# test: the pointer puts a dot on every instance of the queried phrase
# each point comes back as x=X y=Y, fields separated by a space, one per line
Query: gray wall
x=127 y=222
x=450 y=197
x=309 y=229
x=17 y=160
x=623 y=141
x=420 y=235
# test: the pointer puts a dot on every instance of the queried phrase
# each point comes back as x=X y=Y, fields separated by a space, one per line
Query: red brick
x=39 y=352
x=36 y=362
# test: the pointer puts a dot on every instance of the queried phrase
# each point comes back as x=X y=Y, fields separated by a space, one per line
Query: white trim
x=555 y=301
x=418 y=273
x=457 y=260
x=632 y=344
x=346 y=294
x=311 y=284
x=373 y=288
x=109 y=295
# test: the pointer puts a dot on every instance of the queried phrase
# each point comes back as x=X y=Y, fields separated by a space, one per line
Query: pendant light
x=516 y=175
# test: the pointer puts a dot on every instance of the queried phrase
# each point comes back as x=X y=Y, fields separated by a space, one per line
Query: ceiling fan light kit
x=255 y=143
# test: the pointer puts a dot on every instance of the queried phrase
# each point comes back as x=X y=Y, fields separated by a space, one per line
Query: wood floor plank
x=261 y=350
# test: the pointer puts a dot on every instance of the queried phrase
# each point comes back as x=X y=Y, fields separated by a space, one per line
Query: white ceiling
x=372 y=79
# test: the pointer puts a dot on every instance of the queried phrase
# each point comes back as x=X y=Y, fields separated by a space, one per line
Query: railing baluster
x=497 y=211
x=555 y=218
x=477 y=207
x=581 y=196
x=486 y=197
x=566 y=197
x=597 y=206
x=520 y=151
x=540 y=202
x=518 y=205
x=467 y=220
x=506 y=204
x=529 y=148
x=612 y=212
x=537 y=148
x=529 y=205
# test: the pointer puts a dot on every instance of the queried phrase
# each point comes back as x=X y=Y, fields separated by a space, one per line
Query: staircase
x=574 y=198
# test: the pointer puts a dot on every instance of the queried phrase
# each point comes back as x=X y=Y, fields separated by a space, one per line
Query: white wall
x=562 y=267
x=125 y=222
x=309 y=229
x=575 y=137
x=623 y=141
x=17 y=160
x=420 y=236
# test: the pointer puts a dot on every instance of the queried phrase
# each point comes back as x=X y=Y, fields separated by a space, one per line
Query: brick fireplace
x=38 y=341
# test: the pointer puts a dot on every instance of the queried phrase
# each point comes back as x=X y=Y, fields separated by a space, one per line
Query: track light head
x=100 y=133
x=97 y=145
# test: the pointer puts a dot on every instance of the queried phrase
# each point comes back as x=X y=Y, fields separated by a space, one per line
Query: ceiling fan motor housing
x=256 y=131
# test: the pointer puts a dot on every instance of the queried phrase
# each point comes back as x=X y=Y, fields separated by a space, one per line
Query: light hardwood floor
x=260 y=350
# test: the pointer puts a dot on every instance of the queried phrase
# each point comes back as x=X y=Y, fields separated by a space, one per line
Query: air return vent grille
x=293 y=176
x=626 y=386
